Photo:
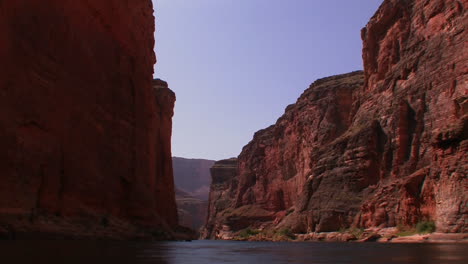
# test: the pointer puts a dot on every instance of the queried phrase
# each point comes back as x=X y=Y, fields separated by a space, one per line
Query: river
x=90 y=252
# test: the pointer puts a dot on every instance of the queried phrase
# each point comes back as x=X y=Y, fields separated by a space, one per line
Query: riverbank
x=382 y=235
x=385 y=237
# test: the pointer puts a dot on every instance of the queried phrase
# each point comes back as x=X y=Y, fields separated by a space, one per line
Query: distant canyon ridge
x=382 y=147
x=192 y=182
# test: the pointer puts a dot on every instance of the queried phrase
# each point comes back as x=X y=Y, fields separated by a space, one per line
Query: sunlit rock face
x=84 y=133
x=415 y=58
x=378 y=148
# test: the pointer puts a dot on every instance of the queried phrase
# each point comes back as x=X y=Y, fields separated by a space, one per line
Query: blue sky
x=236 y=64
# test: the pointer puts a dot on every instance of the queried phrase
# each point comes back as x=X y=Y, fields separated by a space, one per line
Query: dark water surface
x=54 y=252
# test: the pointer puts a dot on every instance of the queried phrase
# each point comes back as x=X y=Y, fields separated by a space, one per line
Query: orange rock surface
x=381 y=148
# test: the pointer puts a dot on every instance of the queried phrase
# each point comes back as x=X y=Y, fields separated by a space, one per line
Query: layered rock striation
x=84 y=133
x=379 y=148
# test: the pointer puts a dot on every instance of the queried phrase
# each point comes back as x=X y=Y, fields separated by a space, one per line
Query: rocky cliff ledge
x=383 y=148
x=84 y=134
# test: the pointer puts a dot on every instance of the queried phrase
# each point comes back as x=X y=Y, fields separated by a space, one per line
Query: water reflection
x=267 y=252
x=55 y=252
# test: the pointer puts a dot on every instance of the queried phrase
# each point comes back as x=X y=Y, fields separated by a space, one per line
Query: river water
x=55 y=252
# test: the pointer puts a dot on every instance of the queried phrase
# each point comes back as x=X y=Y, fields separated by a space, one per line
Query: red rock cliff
x=379 y=149
x=84 y=135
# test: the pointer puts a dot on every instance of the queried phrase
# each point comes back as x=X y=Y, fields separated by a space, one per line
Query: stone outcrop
x=84 y=134
x=379 y=148
x=223 y=187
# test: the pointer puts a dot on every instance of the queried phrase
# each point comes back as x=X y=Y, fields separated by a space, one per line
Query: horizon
x=277 y=59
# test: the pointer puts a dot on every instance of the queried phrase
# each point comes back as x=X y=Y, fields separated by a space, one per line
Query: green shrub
x=246 y=233
x=356 y=232
x=286 y=232
x=408 y=232
x=425 y=227
x=400 y=227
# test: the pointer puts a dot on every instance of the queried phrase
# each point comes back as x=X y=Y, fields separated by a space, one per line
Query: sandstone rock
x=410 y=239
x=382 y=148
x=84 y=136
x=448 y=237
x=223 y=183
x=370 y=238
x=270 y=166
x=420 y=95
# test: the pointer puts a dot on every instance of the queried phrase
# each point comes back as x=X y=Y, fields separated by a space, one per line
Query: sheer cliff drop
x=83 y=133
x=381 y=148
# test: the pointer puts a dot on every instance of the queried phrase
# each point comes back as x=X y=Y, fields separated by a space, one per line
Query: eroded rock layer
x=84 y=134
x=382 y=148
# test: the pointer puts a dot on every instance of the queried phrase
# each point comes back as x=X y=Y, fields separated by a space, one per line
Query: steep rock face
x=378 y=149
x=416 y=58
x=84 y=136
x=224 y=178
x=272 y=168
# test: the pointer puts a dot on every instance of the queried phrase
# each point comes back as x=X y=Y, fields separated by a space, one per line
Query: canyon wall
x=84 y=133
x=191 y=210
x=379 y=148
x=192 y=182
x=224 y=174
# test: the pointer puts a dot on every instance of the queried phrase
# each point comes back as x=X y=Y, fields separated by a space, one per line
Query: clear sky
x=236 y=64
